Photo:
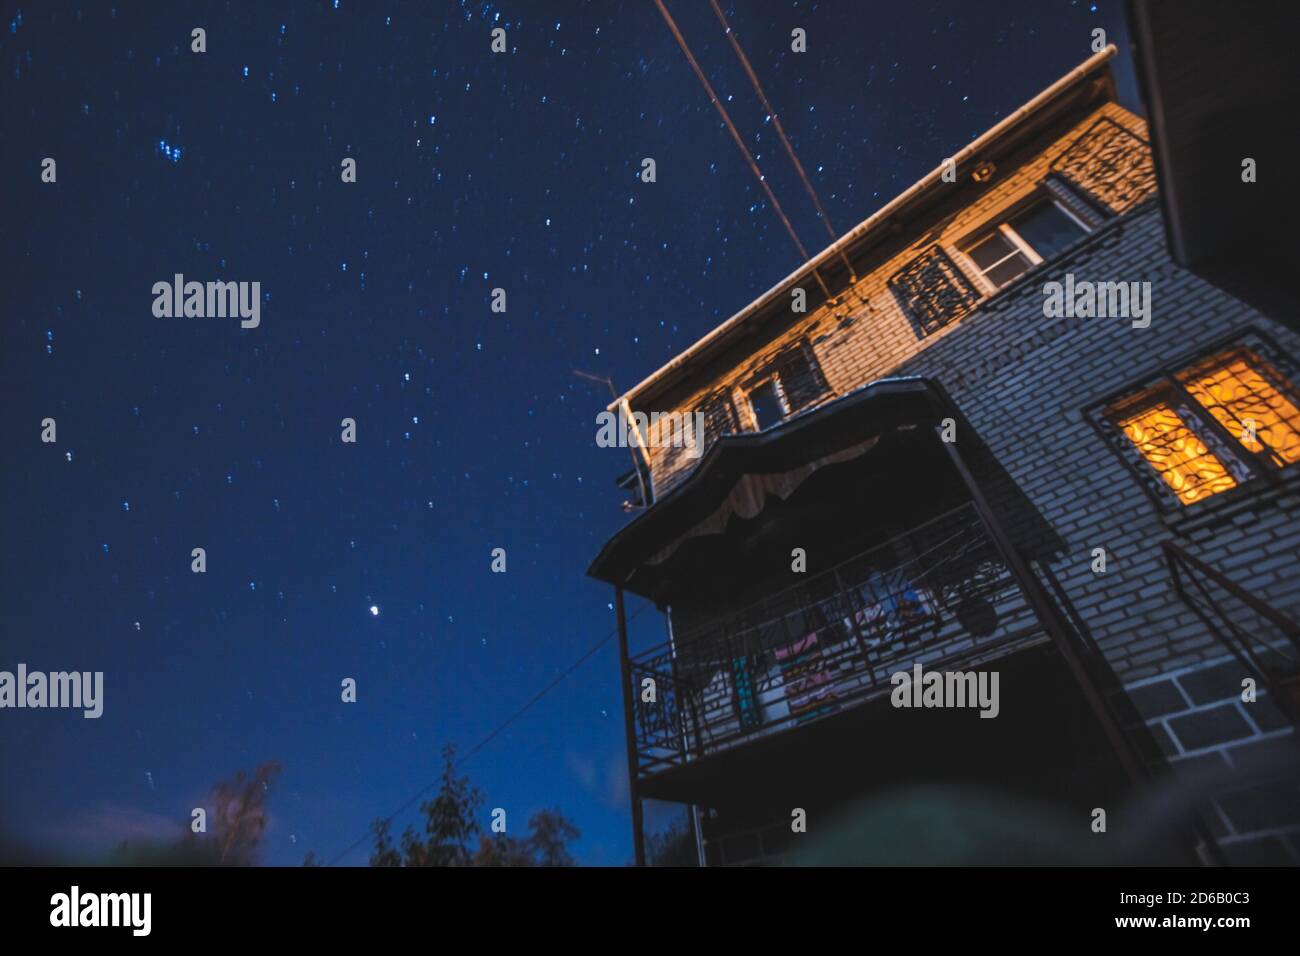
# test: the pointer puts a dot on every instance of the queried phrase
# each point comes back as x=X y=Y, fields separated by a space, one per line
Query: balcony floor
x=1043 y=742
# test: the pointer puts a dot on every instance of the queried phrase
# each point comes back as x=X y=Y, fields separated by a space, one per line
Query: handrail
x=1243 y=648
x=1174 y=554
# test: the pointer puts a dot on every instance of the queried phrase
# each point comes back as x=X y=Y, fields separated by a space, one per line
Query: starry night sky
x=475 y=171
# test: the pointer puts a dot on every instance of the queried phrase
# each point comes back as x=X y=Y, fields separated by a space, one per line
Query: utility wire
x=740 y=143
x=780 y=131
x=494 y=734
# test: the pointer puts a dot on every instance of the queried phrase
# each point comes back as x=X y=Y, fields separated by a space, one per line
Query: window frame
x=1163 y=381
x=1002 y=224
x=774 y=368
x=778 y=389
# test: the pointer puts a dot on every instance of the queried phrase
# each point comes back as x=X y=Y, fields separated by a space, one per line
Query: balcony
x=939 y=595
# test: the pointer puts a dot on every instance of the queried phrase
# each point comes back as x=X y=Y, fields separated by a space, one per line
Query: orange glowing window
x=1239 y=390
x=1175 y=453
x=1214 y=425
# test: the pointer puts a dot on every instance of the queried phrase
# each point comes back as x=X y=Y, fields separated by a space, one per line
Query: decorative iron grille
x=800 y=375
x=658 y=722
x=1166 y=441
x=719 y=417
x=933 y=290
x=1213 y=425
x=1110 y=164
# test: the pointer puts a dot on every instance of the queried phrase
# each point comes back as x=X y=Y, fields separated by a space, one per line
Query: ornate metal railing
x=933 y=290
x=1110 y=164
x=1265 y=641
x=939 y=595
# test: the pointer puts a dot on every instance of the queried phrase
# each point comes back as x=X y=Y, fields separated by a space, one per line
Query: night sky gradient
x=475 y=171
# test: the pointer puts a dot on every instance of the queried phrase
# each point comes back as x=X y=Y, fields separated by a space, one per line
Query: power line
x=740 y=143
x=780 y=131
x=494 y=734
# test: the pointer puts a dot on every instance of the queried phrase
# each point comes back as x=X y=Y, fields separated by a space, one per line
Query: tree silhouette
x=237 y=822
x=451 y=824
x=546 y=844
x=673 y=846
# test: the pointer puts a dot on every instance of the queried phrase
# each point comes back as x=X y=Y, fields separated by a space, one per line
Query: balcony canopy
x=743 y=473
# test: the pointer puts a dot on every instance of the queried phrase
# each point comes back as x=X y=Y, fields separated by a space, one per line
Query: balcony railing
x=1264 y=640
x=939 y=595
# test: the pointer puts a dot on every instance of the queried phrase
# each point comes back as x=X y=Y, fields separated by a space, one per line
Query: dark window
x=999 y=259
x=1047 y=228
x=766 y=404
x=1026 y=239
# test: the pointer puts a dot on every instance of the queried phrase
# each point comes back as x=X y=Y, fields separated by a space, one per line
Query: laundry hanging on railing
x=892 y=605
x=806 y=678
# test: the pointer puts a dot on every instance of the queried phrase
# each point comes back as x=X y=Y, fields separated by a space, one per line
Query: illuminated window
x=1246 y=397
x=1212 y=426
x=1175 y=453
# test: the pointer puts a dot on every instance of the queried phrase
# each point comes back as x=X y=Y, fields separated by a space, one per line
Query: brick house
x=912 y=457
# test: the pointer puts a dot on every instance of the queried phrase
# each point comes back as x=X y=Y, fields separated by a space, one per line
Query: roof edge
x=876 y=219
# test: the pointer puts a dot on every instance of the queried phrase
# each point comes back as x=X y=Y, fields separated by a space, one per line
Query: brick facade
x=1027 y=383
x=1030 y=386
